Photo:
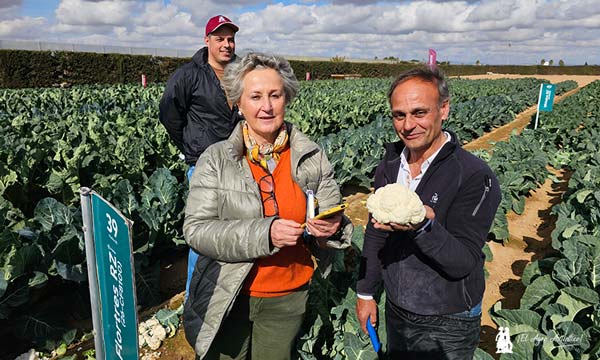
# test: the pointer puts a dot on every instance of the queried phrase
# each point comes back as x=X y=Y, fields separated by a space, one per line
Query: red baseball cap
x=217 y=21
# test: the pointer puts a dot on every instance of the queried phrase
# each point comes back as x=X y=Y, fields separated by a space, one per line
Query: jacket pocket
x=487 y=185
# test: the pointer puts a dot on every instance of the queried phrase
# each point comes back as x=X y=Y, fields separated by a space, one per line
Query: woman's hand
x=324 y=228
x=285 y=233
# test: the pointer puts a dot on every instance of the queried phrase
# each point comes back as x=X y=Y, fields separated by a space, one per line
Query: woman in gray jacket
x=244 y=214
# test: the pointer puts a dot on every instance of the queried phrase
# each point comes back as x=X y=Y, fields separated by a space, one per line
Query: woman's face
x=263 y=104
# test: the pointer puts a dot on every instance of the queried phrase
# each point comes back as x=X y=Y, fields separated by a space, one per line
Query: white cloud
x=24 y=28
x=458 y=30
x=202 y=10
x=79 y=12
x=159 y=20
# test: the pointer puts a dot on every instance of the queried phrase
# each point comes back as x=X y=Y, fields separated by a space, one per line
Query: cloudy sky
x=492 y=31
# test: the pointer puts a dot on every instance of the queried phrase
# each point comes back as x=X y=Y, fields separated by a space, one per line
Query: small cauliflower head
x=396 y=203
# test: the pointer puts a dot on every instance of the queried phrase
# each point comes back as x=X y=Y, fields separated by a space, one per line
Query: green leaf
x=356 y=349
x=123 y=197
x=518 y=321
x=61 y=350
x=538 y=292
x=69 y=336
x=77 y=273
x=482 y=355
x=487 y=252
x=38 y=280
x=26 y=259
x=571 y=230
x=40 y=327
x=67 y=249
x=581 y=195
x=582 y=293
x=147 y=281
x=572 y=304
x=17 y=293
x=49 y=213
x=168 y=317
x=162 y=186
x=554 y=351
x=536 y=269
x=7 y=178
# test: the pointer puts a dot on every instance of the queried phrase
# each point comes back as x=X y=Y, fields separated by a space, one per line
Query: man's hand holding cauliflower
x=397 y=208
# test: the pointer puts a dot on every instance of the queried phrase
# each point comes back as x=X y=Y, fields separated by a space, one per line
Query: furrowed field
x=53 y=141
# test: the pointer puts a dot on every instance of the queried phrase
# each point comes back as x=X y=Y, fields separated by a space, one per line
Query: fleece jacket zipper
x=487 y=183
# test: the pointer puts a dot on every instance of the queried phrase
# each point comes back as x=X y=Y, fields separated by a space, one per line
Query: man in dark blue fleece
x=433 y=271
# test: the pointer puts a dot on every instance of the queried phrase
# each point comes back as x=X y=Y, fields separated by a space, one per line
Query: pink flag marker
x=432 y=63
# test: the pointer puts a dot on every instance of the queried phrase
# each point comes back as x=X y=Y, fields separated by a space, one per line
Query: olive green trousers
x=260 y=328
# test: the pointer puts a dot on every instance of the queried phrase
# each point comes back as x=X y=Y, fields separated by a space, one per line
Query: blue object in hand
x=373 y=336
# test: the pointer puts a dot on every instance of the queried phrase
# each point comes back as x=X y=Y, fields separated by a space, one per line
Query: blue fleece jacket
x=438 y=271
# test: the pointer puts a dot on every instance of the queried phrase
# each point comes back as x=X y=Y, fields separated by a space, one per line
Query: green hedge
x=27 y=69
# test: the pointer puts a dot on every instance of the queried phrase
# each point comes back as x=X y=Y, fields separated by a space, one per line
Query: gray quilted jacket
x=225 y=224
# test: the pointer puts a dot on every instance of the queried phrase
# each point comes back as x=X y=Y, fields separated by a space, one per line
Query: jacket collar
x=300 y=144
x=200 y=58
x=393 y=151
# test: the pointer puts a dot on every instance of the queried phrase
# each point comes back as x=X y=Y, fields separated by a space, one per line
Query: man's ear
x=206 y=40
x=445 y=109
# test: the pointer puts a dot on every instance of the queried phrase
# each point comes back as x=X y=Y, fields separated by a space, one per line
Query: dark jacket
x=439 y=271
x=194 y=108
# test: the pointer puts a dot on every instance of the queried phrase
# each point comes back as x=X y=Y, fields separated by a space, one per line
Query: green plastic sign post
x=114 y=263
x=547 y=97
x=545 y=100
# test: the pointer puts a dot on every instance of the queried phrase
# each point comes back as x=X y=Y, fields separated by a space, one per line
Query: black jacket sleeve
x=455 y=248
x=174 y=105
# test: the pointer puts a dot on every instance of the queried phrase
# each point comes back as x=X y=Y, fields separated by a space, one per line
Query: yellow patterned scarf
x=266 y=155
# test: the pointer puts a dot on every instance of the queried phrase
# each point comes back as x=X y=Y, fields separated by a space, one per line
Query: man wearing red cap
x=194 y=108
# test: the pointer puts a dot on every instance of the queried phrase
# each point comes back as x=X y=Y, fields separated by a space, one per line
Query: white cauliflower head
x=396 y=203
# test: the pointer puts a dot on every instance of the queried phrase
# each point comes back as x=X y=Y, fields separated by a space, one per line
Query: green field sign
x=546 y=99
x=116 y=284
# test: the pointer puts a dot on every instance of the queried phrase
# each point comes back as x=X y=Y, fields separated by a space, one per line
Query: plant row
x=559 y=313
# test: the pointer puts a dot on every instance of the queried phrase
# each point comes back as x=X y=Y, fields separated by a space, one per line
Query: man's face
x=417 y=116
x=221 y=45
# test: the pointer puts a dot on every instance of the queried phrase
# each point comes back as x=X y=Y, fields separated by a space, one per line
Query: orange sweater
x=292 y=266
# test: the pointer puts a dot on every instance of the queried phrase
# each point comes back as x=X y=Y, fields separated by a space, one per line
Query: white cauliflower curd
x=396 y=203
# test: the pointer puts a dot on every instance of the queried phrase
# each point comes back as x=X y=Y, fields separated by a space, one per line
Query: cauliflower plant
x=151 y=333
x=396 y=203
